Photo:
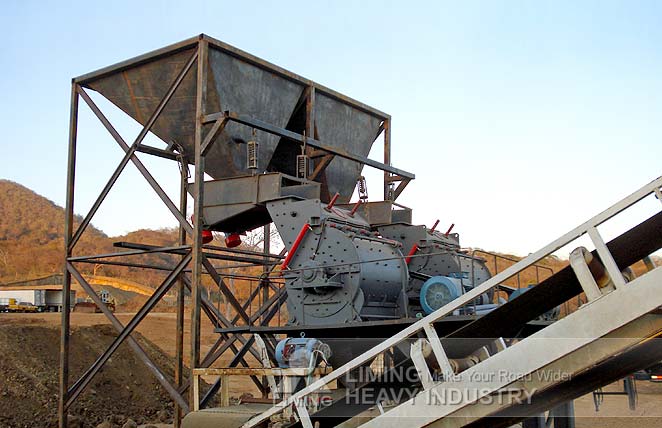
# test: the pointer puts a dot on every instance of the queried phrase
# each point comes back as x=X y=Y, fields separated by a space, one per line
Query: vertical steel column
x=198 y=195
x=564 y=415
x=309 y=131
x=310 y=113
x=534 y=422
x=266 y=269
x=179 y=346
x=264 y=283
x=387 y=157
x=66 y=280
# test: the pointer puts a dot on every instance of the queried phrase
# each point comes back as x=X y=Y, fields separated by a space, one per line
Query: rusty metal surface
x=242 y=83
x=237 y=204
x=349 y=128
x=138 y=90
x=382 y=212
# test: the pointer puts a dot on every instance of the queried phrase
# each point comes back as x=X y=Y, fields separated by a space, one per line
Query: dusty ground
x=29 y=360
x=614 y=411
x=146 y=398
x=29 y=377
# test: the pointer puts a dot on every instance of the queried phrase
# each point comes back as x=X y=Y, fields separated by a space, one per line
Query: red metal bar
x=333 y=201
x=413 y=250
x=436 y=223
x=449 y=229
x=355 y=207
x=302 y=233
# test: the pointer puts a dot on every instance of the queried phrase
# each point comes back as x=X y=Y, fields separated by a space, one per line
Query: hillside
x=31 y=245
x=30 y=217
x=30 y=221
x=31 y=239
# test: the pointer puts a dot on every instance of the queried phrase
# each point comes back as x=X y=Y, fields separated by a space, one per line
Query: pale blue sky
x=520 y=119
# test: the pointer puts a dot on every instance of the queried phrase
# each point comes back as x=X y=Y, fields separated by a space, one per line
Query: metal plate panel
x=342 y=126
x=253 y=91
x=138 y=90
x=237 y=83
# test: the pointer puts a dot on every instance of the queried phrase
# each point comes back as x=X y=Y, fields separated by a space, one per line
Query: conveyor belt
x=508 y=320
x=612 y=370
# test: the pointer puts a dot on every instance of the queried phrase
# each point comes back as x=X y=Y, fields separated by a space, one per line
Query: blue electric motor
x=439 y=291
x=299 y=352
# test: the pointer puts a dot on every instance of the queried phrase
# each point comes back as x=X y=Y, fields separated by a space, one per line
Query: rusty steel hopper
x=241 y=83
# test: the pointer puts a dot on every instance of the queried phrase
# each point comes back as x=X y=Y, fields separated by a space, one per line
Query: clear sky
x=519 y=119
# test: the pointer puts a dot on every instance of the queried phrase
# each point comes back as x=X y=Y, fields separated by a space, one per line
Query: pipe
x=413 y=250
x=355 y=207
x=332 y=202
x=449 y=229
x=436 y=223
x=302 y=233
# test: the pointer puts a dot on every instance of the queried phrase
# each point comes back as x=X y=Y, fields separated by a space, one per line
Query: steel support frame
x=67 y=396
x=83 y=381
x=190 y=254
x=200 y=262
x=66 y=280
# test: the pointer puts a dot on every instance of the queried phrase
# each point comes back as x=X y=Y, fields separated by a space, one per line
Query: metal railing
x=425 y=324
x=497 y=256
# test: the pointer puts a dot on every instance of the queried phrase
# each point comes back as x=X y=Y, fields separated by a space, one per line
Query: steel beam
x=264 y=283
x=198 y=204
x=133 y=343
x=179 y=339
x=143 y=250
x=310 y=111
x=293 y=136
x=179 y=249
x=224 y=288
x=66 y=281
x=128 y=155
x=386 y=125
x=206 y=247
x=320 y=166
x=165 y=154
x=215 y=130
x=85 y=379
x=398 y=190
x=139 y=165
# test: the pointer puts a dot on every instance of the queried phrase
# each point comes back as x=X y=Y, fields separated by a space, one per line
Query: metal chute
x=237 y=82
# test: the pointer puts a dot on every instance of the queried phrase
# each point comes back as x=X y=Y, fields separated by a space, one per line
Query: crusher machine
x=366 y=290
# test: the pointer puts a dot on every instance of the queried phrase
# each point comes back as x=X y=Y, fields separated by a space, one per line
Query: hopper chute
x=240 y=83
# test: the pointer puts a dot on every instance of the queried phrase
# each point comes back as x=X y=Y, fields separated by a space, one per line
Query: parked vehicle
x=43 y=300
x=13 y=305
